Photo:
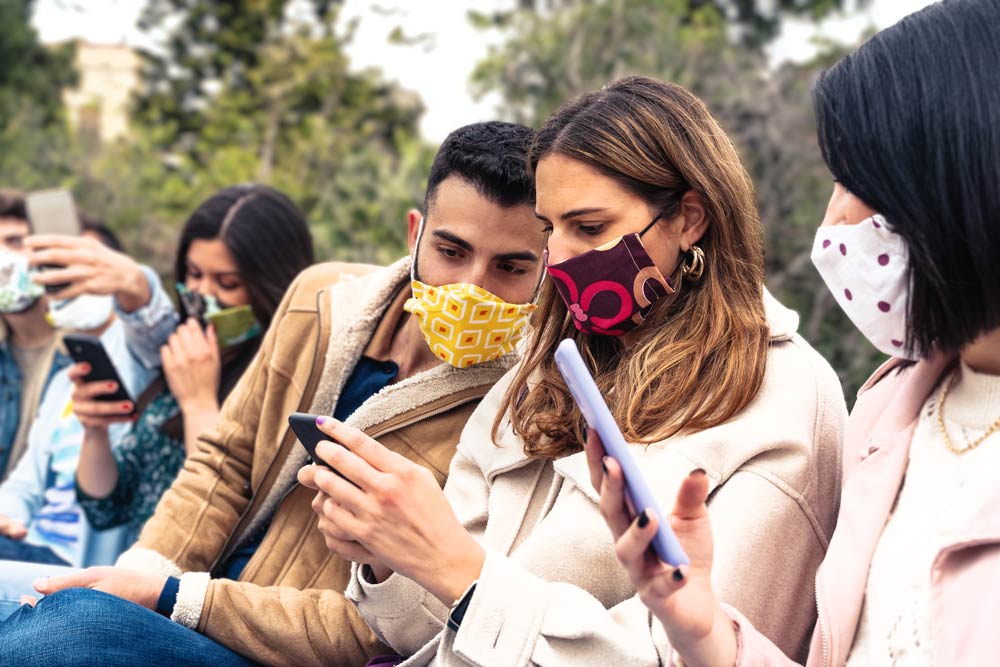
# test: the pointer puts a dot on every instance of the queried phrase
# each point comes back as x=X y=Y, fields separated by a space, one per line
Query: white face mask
x=17 y=291
x=85 y=312
x=865 y=266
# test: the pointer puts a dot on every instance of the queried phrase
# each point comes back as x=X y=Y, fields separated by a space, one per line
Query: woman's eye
x=230 y=286
x=591 y=230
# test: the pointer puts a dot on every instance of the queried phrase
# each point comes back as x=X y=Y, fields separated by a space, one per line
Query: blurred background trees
x=263 y=90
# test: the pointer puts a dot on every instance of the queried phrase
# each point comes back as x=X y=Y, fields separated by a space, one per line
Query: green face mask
x=233 y=325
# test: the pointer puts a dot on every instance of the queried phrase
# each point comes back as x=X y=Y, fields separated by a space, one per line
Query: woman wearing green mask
x=237 y=255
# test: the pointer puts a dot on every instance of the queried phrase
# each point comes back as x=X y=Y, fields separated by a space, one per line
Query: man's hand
x=89 y=267
x=138 y=587
x=12 y=528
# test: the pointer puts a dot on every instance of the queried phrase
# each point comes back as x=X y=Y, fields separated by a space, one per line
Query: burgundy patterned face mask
x=611 y=289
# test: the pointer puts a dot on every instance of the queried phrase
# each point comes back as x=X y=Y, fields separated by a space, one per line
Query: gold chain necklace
x=969 y=446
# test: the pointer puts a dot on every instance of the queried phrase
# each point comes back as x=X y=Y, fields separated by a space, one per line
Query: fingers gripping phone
x=598 y=417
x=53 y=212
x=88 y=349
x=307 y=431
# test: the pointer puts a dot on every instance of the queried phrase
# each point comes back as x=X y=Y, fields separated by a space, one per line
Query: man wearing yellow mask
x=232 y=558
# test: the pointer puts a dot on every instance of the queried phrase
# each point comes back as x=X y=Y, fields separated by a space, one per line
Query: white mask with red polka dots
x=865 y=266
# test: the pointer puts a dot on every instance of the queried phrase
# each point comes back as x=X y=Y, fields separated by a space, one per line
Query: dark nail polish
x=678 y=575
x=697 y=472
x=604 y=466
x=643 y=519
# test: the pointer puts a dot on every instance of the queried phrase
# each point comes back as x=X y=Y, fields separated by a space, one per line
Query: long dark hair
x=910 y=124
x=264 y=231
x=269 y=239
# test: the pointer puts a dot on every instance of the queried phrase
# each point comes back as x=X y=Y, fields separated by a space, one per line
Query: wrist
x=135 y=292
x=199 y=407
x=460 y=573
x=718 y=647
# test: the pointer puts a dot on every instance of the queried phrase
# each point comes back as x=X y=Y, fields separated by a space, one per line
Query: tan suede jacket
x=287 y=606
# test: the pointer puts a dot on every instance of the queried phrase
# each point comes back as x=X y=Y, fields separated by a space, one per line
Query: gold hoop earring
x=694 y=264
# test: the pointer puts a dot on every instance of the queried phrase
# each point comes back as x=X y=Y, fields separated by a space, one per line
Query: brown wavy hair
x=698 y=359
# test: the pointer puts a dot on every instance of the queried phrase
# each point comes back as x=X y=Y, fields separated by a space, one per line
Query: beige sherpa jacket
x=551 y=592
x=287 y=608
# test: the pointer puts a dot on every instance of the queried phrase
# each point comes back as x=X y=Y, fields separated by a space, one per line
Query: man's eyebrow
x=452 y=238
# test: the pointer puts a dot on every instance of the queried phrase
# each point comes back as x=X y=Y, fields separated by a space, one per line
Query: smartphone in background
x=89 y=349
x=305 y=429
x=53 y=212
x=598 y=417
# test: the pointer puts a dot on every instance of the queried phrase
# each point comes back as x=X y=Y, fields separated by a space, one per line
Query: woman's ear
x=695 y=220
x=413 y=218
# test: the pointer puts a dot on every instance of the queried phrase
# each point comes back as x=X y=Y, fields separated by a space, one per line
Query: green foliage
x=34 y=144
x=549 y=57
x=269 y=99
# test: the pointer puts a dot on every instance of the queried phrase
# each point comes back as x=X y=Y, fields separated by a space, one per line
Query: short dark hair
x=102 y=231
x=910 y=124
x=491 y=157
x=266 y=234
x=12 y=206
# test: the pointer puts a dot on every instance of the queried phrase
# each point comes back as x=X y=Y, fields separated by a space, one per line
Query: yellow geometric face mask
x=465 y=324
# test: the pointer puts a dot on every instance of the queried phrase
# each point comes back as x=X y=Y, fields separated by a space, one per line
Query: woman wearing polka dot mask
x=909 y=125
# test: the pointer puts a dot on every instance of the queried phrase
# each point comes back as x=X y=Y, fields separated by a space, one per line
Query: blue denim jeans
x=80 y=626
x=16 y=579
x=29 y=553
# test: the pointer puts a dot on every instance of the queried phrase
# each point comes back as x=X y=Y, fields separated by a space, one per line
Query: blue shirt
x=367 y=379
x=41 y=490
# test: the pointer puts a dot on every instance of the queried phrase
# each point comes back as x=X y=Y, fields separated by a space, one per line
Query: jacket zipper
x=823 y=634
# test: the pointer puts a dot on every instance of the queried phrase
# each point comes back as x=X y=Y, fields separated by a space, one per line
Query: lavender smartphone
x=598 y=417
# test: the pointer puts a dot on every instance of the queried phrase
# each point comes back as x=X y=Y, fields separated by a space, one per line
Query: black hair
x=491 y=157
x=269 y=239
x=102 y=231
x=910 y=124
x=266 y=234
x=12 y=206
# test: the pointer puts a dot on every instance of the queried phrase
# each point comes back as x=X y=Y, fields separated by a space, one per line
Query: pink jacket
x=965 y=578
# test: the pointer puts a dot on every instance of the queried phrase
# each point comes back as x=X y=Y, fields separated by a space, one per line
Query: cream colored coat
x=551 y=592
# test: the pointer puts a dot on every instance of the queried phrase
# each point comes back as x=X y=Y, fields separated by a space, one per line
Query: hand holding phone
x=598 y=417
x=89 y=350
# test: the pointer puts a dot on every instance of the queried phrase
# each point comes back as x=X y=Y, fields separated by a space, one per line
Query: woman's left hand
x=392 y=512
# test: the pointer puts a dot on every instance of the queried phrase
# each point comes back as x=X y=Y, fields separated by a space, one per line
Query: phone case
x=90 y=350
x=305 y=429
x=598 y=417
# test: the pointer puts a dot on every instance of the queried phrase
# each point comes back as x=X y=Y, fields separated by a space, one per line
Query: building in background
x=99 y=105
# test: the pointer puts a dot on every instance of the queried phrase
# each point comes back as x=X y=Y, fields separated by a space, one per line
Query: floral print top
x=148 y=461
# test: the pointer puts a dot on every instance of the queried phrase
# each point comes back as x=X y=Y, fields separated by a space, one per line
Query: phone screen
x=52 y=212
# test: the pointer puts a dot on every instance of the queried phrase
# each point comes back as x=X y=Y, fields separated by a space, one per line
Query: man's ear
x=413 y=218
x=695 y=220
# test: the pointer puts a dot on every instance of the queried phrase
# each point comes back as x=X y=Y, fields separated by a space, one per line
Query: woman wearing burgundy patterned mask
x=655 y=256
x=909 y=125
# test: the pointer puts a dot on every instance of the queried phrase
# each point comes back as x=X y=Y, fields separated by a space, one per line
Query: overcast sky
x=438 y=68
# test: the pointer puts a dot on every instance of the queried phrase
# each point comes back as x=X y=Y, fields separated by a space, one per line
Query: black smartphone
x=88 y=349
x=308 y=433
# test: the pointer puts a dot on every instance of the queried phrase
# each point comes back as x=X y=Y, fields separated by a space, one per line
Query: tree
x=550 y=56
x=271 y=99
x=33 y=139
